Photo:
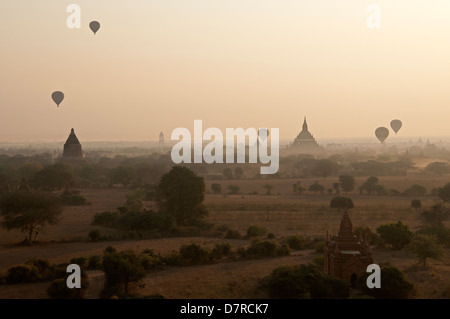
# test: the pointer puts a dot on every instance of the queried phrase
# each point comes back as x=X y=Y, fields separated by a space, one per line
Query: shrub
x=255 y=231
x=398 y=235
x=22 y=274
x=94 y=235
x=232 y=234
x=80 y=261
x=394 y=285
x=220 y=250
x=260 y=249
x=303 y=281
x=295 y=242
x=105 y=218
x=283 y=250
x=95 y=262
x=319 y=246
x=441 y=232
x=58 y=290
x=69 y=199
x=318 y=261
x=46 y=270
x=194 y=254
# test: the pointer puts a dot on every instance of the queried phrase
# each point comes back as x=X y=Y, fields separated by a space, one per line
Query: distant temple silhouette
x=305 y=142
x=72 y=147
x=161 y=139
x=346 y=257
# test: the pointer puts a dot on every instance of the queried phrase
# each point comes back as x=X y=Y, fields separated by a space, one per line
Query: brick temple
x=347 y=257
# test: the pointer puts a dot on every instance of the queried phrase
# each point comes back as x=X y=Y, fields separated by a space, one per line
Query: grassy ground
x=282 y=214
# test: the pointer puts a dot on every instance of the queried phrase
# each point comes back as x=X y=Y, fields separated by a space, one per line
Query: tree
x=415 y=190
x=238 y=172
x=396 y=234
x=337 y=188
x=29 y=212
x=228 y=173
x=29 y=169
x=341 y=203
x=416 y=204
x=181 y=193
x=303 y=281
x=370 y=185
x=233 y=189
x=393 y=284
x=122 y=175
x=316 y=187
x=216 y=188
x=444 y=193
x=54 y=177
x=426 y=246
x=435 y=216
x=325 y=168
x=347 y=183
x=122 y=268
x=438 y=168
x=268 y=188
x=298 y=188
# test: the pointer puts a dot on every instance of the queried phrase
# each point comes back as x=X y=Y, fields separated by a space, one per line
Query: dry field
x=282 y=214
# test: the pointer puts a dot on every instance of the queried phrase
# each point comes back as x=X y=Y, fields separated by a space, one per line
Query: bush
x=46 y=270
x=441 y=232
x=94 y=235
x=255 y=231
x=319 y=246
x=394 y=285
x=95 y=262
x=220 y=250
x=194 y=254
x=22 y=274
x=80 y=261
x=106 y=218
x=259 y=249
x=398 y=235
x=232 y=234
x=318 y=261
x=303 y=281
x=295 y=242
x=415 y=190
x=58 y=290
x=69 y=199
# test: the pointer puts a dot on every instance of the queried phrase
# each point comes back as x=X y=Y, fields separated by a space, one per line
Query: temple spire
x=305 y=126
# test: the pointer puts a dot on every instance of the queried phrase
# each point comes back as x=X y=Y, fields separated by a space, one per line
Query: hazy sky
x=155 y=65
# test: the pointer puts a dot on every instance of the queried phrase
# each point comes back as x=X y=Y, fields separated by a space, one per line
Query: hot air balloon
x=263 y=133
x=57 y=97
x=382 y=133
x=396 y=125
x=94 y=25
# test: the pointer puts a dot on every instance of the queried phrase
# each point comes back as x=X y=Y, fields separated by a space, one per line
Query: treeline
x=42 y=171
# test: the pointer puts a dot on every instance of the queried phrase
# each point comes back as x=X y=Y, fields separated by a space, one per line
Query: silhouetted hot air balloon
x=263 y=135
x=94 y=25
x=382 y=133
x=396 y=125
x=57 y=97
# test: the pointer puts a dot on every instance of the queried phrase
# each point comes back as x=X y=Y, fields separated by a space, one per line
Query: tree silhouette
x=347 y=183
x=181 y=193
x=29 y=212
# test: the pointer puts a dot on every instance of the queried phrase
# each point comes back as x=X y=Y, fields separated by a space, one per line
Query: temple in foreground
x=346 y=257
